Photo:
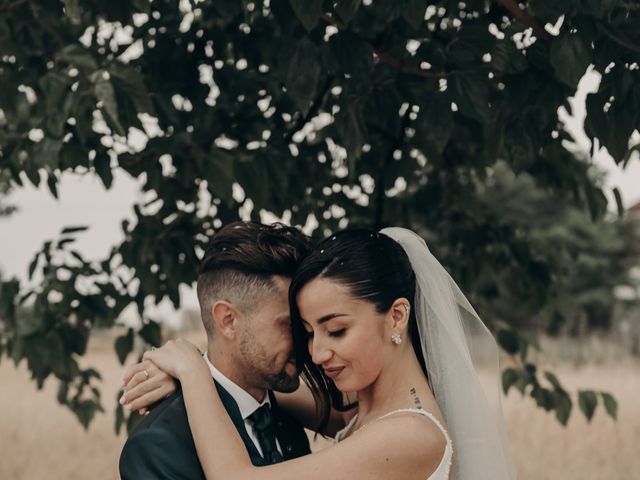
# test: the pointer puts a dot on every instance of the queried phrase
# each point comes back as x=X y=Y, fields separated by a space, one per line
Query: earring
x=406 y=308
x=396 y=338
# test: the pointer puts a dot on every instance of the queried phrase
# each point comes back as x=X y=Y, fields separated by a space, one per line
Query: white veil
x=452 y=336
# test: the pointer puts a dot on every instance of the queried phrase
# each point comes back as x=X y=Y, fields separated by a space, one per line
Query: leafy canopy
x=341 y=113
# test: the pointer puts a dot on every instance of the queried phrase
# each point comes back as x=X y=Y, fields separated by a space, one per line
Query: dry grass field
x=39 y=439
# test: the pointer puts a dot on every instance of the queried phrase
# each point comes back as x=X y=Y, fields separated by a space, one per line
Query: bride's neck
x=400 y=384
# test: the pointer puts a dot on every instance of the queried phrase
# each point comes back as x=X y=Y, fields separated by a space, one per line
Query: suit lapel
x=234 y=413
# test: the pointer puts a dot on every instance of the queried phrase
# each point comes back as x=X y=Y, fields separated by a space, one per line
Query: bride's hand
x=145 y=384
x=178 y=358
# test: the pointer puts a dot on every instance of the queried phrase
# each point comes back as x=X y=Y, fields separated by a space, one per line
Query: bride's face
x=346 y=335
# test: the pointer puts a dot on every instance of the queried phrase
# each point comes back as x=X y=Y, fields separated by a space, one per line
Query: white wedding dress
x=442 y=472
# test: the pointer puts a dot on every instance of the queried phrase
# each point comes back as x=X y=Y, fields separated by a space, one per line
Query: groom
x=243 y=293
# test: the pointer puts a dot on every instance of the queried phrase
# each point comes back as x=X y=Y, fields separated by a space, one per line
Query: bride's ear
x=400 y=312
x=225 y=318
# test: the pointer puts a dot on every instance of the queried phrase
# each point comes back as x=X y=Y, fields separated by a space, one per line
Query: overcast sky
x=84 y=201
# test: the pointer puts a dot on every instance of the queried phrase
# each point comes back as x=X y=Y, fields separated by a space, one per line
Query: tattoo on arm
x=416 y=399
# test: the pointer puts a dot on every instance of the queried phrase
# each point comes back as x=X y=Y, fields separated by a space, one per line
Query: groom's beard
x=263 y=370
x=282 y=382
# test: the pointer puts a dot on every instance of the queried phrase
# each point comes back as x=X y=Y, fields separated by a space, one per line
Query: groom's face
x=266 y=345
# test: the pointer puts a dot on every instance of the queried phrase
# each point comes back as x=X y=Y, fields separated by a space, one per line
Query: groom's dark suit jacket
x=161 y=446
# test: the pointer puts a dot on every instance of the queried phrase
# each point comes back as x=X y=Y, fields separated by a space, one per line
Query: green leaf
x=218 y=171
x=30 y=323
x=131 y=82
x=307 y=11
x=354 y=132
x=509 y=378
x=79 y=57
x=630 y=152
x=73 y=11
x=625 y=120
x=413 y=13
x=435 y=123
x=303 y=73
x=124 y=345
x=102 y=165
x=506 y=58
x=570 y=56
x=587 y=401
x=61 y=243
x=151 y=333
x=63 y=391
x=346 y=9
x=610 y=405
x=619 y=37
x=508 y=340
x=33 y=265
x=106 y=94
x=52 y=184
x=470 y=92
x=553 y=380
x=596 y=122
x=142 y=6
x=619 y=204
x=544 y=398
x=349 y=55
x=75 y=229
x=563 y=406
x=119 y=414
x=85 y=410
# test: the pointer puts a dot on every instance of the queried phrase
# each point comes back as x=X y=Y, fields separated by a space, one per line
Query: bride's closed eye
x=338 y=333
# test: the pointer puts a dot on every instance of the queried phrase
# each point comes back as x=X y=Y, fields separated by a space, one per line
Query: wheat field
x=40 y=439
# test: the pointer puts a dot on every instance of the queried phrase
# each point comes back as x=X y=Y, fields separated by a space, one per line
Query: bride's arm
x=406 y=447
x=302 y=406
x=145 y=384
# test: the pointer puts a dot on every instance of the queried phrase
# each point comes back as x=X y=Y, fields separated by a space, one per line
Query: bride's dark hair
x=374 y=268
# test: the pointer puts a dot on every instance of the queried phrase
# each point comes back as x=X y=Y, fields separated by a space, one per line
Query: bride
x=375 y=314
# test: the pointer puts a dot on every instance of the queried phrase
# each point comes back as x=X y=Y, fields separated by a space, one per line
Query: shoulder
x=408 y=438
x=169 y=413
x=166 y=425
x=160 y=446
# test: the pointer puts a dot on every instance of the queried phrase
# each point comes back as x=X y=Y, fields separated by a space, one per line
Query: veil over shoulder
x=452 y=337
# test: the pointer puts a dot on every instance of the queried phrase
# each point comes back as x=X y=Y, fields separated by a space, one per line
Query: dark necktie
x=264 y=425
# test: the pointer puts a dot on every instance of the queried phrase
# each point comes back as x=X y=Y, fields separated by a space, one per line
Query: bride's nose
x=319 y=351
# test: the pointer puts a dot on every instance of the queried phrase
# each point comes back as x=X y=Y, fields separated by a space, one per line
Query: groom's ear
x=225 y=318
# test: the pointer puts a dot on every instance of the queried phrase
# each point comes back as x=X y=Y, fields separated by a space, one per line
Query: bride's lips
x=332 y=372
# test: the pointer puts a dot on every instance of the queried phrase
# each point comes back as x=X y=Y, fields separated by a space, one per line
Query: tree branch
x=524 y=18
x=385 y=57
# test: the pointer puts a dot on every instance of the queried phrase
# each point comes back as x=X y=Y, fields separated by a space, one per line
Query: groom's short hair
x=240 y=262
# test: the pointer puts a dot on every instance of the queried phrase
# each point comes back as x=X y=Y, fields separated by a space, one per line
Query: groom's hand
x=145 y=384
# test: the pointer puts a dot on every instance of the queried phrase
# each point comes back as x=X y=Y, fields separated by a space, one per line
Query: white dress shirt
x=246 y=403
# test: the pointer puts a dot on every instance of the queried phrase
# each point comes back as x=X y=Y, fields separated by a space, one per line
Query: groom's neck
x=229 y=367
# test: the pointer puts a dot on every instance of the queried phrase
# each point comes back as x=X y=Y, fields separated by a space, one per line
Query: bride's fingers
x=160 y=381
x=132 y=370
x=137 y=380
x=150 y=398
